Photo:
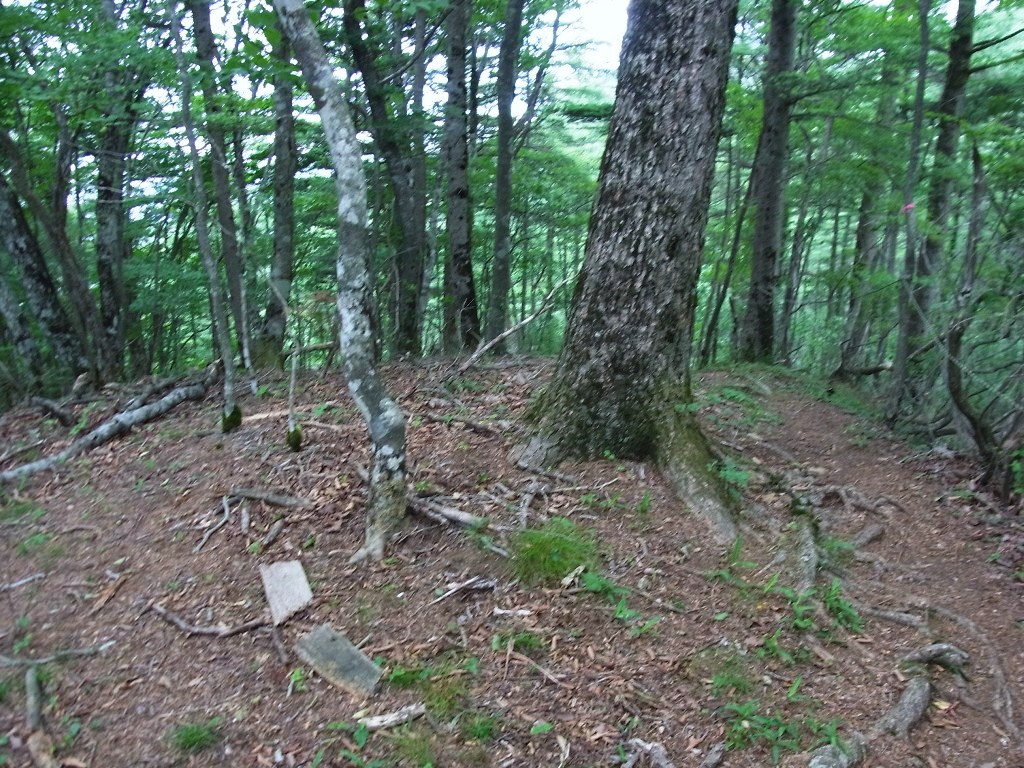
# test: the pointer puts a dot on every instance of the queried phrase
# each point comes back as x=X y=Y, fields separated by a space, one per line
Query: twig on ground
x=274 y=499
x=476 y=426
x=545 y=672
x=273 y=533
x=390 y=720
x=92 y=650
x=215 y=527
x=22 y=582
x=191 y=629
x=653 y=750
x=477 y=583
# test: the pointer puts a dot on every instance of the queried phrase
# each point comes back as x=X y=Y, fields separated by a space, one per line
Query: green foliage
x=840 y=609
x=547 y=554
x=21 y=508
x=442 y=685
x=34 y=543
x=195 y=737
x=479 y=726
x=746 y=727
x=528 y=643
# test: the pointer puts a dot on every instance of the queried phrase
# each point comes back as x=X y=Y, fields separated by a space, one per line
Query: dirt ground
x=667 y=643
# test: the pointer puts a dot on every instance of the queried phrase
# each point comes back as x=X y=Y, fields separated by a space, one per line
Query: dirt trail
x=669 y=642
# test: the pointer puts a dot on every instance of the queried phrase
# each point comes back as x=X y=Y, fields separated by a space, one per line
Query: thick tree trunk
x=757 y=334
x=383 y=416
x=396 y=146
x=19 y=330
x=461 y=330
x=40 y=290
x=501 y=268
x=269 y=342
x=622 y=384
x=915 y=372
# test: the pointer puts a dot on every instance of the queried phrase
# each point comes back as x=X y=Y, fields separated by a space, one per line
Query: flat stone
x=338 y=661
x=286 y=587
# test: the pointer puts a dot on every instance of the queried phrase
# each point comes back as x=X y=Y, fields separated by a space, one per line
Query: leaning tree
x=622 y=384
x=383 y=416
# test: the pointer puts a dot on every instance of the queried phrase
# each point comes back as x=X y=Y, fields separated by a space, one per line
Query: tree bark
x=622 y=384
x=915 y=373
x=501 y=268
x=383 y=416
x=18 y=328
x=40 y=290
x=407 y=182
x=220 y=171
x=757 y=334
x=269 y=342
x=461 y=330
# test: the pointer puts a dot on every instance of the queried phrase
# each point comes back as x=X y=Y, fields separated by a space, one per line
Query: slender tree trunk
x=231 y=414
x=461 y=330
x=269 y=342
x=383 y=416
x=622 y=383
x=916 y=372
x=757 y=334
x=220 y=170
x=501 y=269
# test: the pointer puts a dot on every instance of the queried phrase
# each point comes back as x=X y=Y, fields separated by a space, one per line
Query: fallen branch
x=40 y=745
x=390 y=720
x=653 y=750
x=215 y=527
x=117 y=425
x=476 y=426
x=274 y=499
x=55 y=409
x=22 y=582
x=483 y=349
x=192 y=629
x=92 y=650
x=477 y=583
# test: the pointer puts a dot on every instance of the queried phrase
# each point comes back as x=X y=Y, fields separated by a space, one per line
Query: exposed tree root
x=191 y=629
x=905 y=714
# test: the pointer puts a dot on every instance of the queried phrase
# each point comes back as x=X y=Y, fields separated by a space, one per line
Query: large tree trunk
x=19 y=330
x=461 y=330
x=383 y=416
x=622 y=385
x=269 y=342
x=501 y=269
x=40 y=290
x=757 y=333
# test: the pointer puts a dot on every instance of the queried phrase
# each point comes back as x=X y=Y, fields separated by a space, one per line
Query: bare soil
x=706 y=646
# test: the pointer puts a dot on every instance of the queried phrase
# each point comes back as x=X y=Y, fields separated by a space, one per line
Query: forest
x=763 y=267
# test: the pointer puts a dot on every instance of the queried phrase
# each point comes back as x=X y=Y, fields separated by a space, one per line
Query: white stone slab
x=286 y=587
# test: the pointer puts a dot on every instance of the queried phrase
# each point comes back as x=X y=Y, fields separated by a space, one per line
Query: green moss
x=294 y=439
x=548 y=553
x=231 y=420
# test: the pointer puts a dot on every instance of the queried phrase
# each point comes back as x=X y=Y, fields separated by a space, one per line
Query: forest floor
x=666 y=642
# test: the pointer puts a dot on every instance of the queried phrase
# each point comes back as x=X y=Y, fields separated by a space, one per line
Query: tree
x=768 y=181
x=622 y=384
x=383 y=416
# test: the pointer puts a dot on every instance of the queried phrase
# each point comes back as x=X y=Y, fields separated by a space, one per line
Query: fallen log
x=116 y=425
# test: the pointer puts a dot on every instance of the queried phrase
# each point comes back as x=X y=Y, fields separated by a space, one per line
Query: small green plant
x=541 y=727
x=601 y=585
x=548 y=553
x=771 y=648
x=32 y=544
x=479 y=727
x=623 y=612
x=442 y=685
x=643 y=507
x=840 y=609
x=22 y=642
x=735 y=477
x=644 y=627
x=15 y=510
x=731 y=678
x=746 y=728
x=7 y=685
x=528 y=643
x=736 y=555
x=195 y=737
x=296 y=681
x=416 y=747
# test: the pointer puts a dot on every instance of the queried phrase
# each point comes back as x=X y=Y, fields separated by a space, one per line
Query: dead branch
x=55 y=409
x=653 y=750
x=476 y=426
x=215 y=527
x=945 y=655
x=274 y=499
x=476 y=583
x=390 y=720
x=22 y=582
x=444 y=514
x=483 y=349
x=14 y=661
x=714 y=757
x=33 y=698
x=191 y=629
x=119 y=424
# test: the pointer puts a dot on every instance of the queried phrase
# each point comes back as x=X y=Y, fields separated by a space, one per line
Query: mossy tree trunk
x=622 y=385
x=383 y=417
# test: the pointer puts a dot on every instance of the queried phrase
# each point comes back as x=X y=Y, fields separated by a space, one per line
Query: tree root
x=905 y=714
x=191 y=629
